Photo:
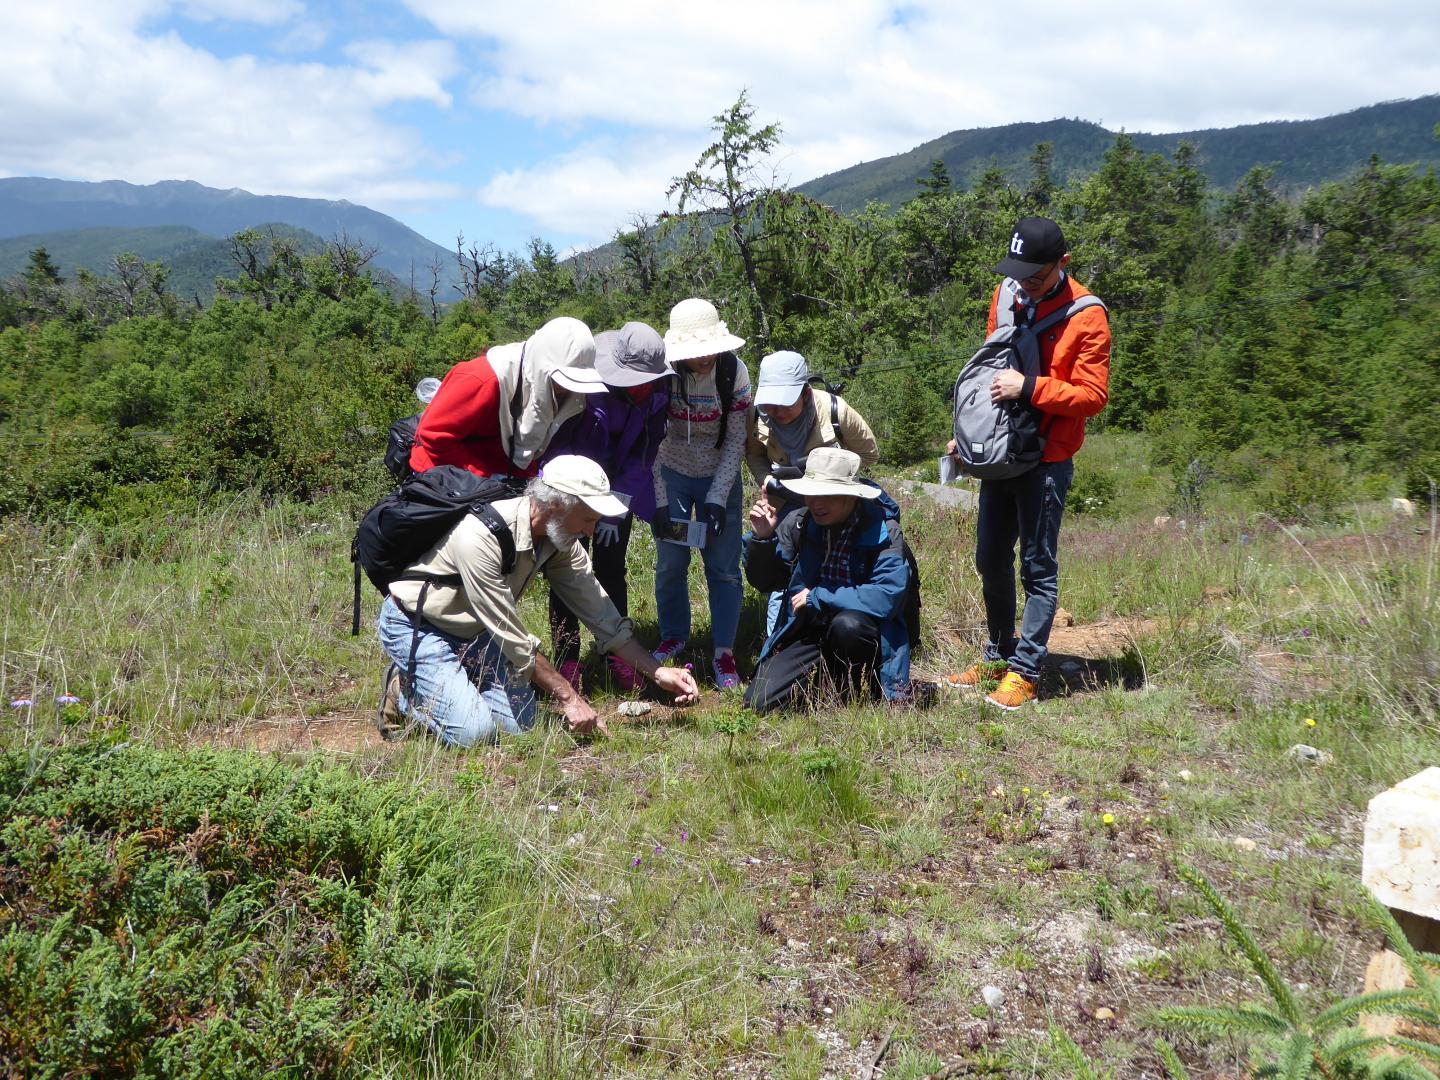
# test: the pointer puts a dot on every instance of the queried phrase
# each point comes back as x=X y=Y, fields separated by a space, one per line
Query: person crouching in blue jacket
x=842 y=567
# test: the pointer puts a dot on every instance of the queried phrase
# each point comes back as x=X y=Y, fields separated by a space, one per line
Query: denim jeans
x=462 y=689
x=1027 y=509
x=721 y=555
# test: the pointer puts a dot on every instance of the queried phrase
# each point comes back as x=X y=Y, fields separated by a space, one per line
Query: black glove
x=663 y=516
x=786 y=472
x=713 y=515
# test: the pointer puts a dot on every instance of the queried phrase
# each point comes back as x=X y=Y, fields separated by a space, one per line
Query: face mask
x=640 y=394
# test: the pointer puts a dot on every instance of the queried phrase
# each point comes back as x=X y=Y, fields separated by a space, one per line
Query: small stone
x=1103 y=1013
x=1301 y=752
x=828 y=1011
x=1402 y=508
x=1162 y=520
x=993 y=996
x=793 y=943
x=633 y=708
x=1244 y=843
x=576 y=840
x=1186 y=775
x=1063 y=617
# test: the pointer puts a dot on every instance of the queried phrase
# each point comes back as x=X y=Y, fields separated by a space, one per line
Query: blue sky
x=504 y=121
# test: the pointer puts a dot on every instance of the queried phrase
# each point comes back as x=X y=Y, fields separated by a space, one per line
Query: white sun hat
x=697 y=330
x=581 y=477
x=831 y=470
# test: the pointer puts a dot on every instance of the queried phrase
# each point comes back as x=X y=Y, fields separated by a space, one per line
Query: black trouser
x=609 y=560
x=846 y=646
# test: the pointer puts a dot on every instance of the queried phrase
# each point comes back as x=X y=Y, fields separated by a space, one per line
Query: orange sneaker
x=981 y=671
x=1014 y=691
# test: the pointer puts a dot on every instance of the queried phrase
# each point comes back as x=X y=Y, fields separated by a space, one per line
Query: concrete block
x=1401 y=863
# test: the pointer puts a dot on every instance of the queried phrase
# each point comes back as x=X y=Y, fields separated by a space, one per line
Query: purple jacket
x=622 y=438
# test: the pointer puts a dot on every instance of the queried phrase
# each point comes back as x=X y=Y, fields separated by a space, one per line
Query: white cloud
x=262 y=12
x=858 y=80
x=89 y=95
x=593 y=190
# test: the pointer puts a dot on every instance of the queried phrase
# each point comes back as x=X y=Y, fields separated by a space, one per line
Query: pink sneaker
x=667 y=650
x=726 y=677
x=571 y=670
x=626 y=679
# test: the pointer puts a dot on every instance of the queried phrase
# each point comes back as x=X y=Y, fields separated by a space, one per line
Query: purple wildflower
x=67 y=699
x=684 y=836
x=22 y=703
x=635 y=861
x=1306 y=632
x=1364 y=621
x=658 y=849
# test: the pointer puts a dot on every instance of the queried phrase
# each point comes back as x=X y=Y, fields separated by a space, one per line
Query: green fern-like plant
x=1288 y=1045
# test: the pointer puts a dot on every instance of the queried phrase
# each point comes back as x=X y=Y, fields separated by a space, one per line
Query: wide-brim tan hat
x=696 y=329
x=830 y=470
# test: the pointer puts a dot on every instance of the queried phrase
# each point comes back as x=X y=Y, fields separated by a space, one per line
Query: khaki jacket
x=850 y=432
x=487 y=600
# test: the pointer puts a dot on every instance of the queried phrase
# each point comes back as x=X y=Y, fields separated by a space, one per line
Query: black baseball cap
x=1036 y=243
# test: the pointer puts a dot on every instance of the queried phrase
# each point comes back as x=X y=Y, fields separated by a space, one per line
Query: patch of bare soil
x=333 y=733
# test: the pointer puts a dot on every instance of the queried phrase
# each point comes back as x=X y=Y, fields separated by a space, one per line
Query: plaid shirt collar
x=835 y=572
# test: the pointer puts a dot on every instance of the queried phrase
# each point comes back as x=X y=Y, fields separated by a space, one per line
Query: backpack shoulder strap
x=491 y=519
x=1067 y=312
x=1005 y=304
x=835 y=415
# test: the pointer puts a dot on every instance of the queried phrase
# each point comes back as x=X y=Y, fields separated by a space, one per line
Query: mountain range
x=1302 y=153
x=34 y=209
x=184 y=224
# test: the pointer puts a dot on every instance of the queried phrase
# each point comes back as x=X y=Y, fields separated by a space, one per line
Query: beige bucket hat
x=830 y=470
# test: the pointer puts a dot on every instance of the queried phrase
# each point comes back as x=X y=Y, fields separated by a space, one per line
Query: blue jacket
x=877 y=562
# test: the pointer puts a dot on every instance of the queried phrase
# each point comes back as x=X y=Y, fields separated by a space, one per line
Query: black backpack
x=998 y=440
x=399 y=445
x=412 y=519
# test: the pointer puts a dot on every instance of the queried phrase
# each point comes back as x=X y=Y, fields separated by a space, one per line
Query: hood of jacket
x=560 y=343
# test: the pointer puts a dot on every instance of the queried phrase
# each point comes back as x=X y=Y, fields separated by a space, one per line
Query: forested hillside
x=1287 y=346
x=1300 y=153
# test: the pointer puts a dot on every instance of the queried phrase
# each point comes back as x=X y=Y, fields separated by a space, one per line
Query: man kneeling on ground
x=842 y=567
x=462 y=661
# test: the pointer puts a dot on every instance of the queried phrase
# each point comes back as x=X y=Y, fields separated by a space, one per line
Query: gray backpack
x=995 y=441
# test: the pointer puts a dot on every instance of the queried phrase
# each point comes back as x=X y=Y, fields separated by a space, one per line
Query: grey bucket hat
x=630 y=356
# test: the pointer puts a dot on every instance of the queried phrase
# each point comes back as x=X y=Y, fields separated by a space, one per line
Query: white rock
x=1244 y=843
x=575 y=841
x=633 y=708
x=993 y=996
x=1186 y=775
x=1104 y=1013
x=1402 y=507
x=1401 y=863
x=1302 y=752
x=1162 y=521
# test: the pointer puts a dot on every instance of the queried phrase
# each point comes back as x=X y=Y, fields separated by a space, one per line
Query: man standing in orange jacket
x=1073 y=385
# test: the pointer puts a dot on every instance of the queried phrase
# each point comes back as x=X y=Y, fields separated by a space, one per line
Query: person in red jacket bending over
x=1073 y=385
x=496 y=414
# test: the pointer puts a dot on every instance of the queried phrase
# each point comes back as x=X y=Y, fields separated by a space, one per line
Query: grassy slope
x=776 y=902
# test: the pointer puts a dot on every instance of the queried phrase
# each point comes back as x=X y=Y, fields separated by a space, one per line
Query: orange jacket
x=1075 y=367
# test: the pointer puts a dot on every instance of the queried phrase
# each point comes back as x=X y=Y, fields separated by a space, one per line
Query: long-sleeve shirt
x=1075 y=361
x=689 y=445
x=849 y=431
x=487 y=599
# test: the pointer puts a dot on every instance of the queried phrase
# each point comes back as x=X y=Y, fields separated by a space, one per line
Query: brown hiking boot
x=389 y=719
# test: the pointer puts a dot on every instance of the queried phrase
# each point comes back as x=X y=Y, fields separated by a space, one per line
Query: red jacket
x=461 y=425
x=1075 y=366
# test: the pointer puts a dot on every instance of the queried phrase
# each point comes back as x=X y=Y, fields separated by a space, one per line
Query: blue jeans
x=1027 y=509
x=721 y=555
x=462 y=689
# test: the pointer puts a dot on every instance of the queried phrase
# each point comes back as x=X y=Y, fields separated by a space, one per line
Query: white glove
x=607 y=533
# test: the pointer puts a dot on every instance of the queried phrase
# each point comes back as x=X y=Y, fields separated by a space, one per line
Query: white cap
x=581 y=477
x=783 y=376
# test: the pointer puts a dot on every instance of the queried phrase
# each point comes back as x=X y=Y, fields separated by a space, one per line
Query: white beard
x=558 y=536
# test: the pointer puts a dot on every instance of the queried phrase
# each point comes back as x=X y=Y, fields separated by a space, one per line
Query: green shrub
x=205 y=913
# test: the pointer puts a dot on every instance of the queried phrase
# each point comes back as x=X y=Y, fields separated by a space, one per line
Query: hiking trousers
x=1024 y=509
x=841 y=652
